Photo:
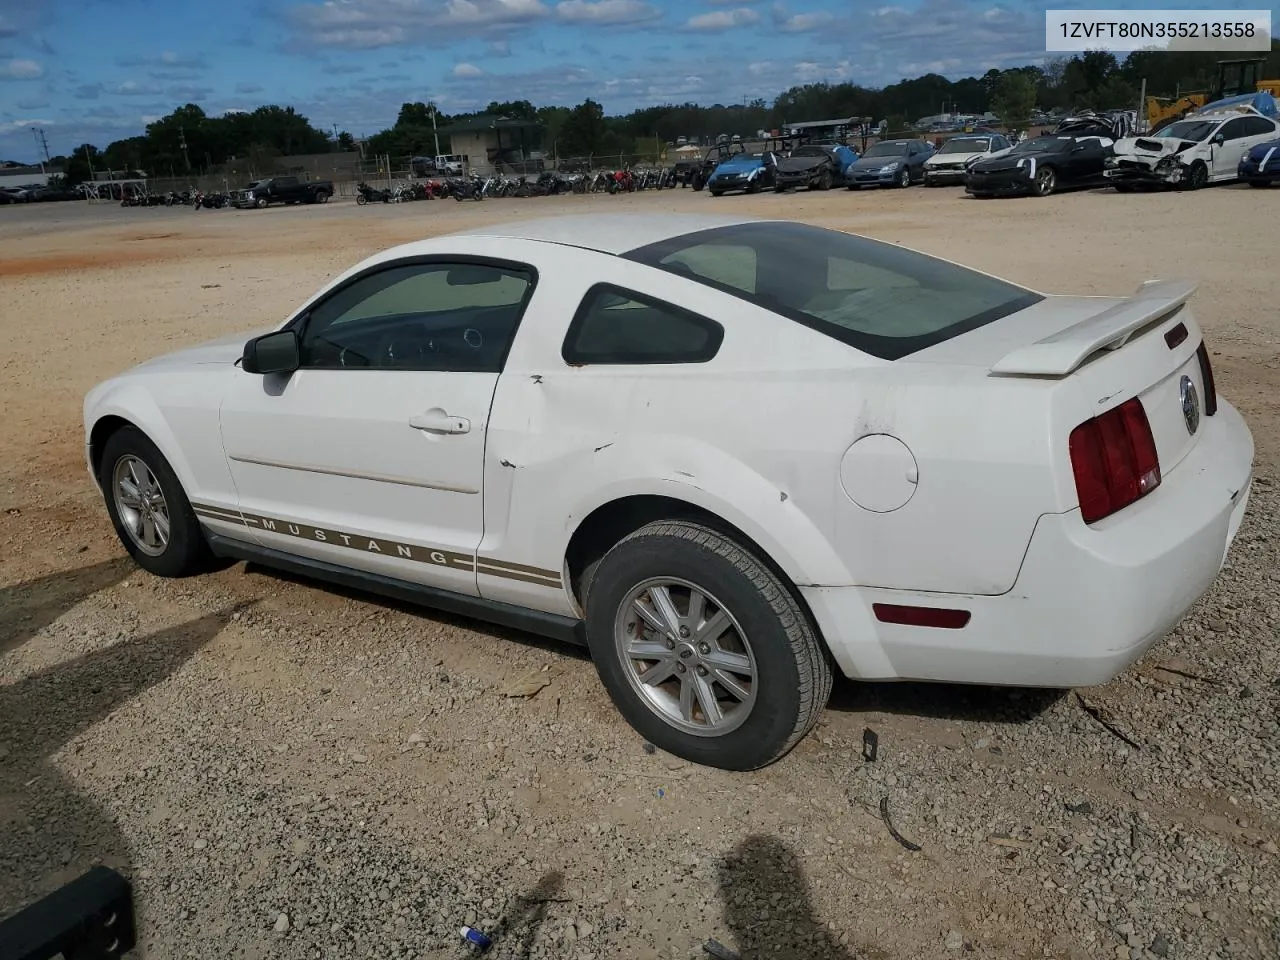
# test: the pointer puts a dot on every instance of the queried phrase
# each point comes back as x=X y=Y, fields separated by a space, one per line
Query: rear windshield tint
x=880 y=298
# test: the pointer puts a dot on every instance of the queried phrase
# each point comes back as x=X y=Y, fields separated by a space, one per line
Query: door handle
x=436 y=420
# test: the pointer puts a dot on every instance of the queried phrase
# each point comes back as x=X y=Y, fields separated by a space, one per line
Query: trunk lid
x=1101 y=351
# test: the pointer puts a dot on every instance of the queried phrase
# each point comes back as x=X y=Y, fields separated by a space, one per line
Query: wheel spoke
x=661 y=671
x=661 y=597
x=738 y=663
x=162 y=527
x=697 y=604
x=687 y=697
x=731 y=685
x=130 y=496
x=648 y=616
x=648 y=650
x=707 y=700
x=711 y=630
x=149 y=531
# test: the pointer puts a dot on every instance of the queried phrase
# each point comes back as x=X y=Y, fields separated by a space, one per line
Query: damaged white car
x=1190 y=153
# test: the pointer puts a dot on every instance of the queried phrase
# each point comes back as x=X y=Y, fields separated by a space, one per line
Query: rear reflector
x=921 y=616
x=1176 y=335
x=1206 y=376
x=1113 y=457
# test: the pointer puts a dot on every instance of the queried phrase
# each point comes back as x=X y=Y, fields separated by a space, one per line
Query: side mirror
x=272 y=353
x=1218 y=140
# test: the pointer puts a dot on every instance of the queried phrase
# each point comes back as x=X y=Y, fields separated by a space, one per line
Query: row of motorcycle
x=197 y=199
x=549 y=183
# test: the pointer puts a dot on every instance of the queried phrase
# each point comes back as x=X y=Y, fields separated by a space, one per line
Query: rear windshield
x=880 y=298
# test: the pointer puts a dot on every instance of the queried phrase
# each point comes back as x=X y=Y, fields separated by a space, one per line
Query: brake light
x=1113 y=457
x=1206 y=377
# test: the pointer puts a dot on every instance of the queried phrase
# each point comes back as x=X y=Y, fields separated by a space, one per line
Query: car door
x=371 y=454
x=1228 y=144
x=1257 y=130
x=916 y=158
x=1086 y=160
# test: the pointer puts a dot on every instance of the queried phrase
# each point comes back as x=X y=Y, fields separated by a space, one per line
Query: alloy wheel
x=686 y=656
x=141 y=505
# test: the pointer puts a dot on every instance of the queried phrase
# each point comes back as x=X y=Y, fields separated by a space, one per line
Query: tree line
x=188 y=141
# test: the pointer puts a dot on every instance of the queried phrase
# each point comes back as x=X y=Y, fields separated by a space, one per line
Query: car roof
x=607 y=233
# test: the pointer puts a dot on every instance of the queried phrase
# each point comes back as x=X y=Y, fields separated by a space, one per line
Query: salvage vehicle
x=695 y=173
x=1039 y=166
x=541 y=425
x=263 y=193
x=1190 y=153
x=816 y=166
x=946 y=164
x=1260 y=167
x=890 y=163
x=748 y=172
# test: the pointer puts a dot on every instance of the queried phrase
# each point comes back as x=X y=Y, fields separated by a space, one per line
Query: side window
x=457 y=317
x=1235 y=129
x=1258 y=126
x=619 y=326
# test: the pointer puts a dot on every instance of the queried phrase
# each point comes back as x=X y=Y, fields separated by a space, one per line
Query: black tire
x=261 y=203
x=824 y=180
x=778 y=188
x=322 y=196
x=904 y=180
x=792 y=668
x=361 y=199
x=854 y=186
x=187 y=551
x=716 y=193
x=1197 y=176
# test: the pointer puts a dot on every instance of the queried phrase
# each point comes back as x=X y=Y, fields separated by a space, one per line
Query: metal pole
x=1143 y=119
x=434 y=134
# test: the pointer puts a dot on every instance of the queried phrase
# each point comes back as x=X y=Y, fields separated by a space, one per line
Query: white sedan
x=731 y=456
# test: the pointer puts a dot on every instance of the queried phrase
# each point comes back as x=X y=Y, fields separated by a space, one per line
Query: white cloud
x=722 y=20
x=132 y=88
x=801 y=22
x=467 y=70
x=20 y=70
x=606 y=12
x=366 y=24
x=13 y=126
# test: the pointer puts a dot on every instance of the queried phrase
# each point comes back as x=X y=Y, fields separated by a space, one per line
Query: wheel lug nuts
x=680 y=668
x=702 y=671
x=671 y=644
x=704 y=648
x=684 y=631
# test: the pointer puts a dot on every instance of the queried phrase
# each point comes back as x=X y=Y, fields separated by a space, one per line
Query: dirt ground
x=290 y=770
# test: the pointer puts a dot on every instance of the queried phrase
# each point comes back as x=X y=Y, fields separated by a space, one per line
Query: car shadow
x=517 y=930
x=27 y=608
x=53 y=832
x=766 y=904
x=943 y=701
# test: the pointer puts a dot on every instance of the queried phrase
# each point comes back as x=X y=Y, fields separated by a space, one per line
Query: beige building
x=495 y=143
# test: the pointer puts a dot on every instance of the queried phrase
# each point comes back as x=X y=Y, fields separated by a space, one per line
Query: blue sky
x=98 y=70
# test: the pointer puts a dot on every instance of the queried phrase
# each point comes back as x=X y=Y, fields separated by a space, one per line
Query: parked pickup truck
x=263 y=193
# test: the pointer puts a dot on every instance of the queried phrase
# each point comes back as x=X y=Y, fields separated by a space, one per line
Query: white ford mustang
x=732 y=456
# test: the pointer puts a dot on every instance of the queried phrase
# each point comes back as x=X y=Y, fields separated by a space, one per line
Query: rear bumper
x=1088 y=601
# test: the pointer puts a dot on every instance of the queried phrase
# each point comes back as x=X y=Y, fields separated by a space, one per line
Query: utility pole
x=89 y=161
x=43 y=143
x=182 y=142
x=434 y=134
x=1142 y=108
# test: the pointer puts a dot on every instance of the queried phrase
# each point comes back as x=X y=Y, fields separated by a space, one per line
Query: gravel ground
x=293 y=771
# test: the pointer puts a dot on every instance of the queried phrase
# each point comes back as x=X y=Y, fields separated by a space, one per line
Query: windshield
x=888 y=149
x=1041 y=145
x=877 y=297
x=965 y=145
x=811 y=152
x=1196 y=130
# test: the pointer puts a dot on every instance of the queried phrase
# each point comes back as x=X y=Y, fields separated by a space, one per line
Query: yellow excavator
x=1235 y=77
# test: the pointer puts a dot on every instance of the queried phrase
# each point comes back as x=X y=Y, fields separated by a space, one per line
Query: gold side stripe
x=351 y=475
x=390 y=548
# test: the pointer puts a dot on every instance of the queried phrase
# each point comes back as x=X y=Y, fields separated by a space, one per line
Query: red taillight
x=1206 y=377
x=1113 y=457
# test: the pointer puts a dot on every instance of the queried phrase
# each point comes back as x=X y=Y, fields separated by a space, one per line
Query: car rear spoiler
x=1060 y=353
